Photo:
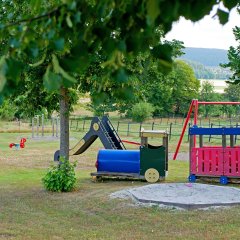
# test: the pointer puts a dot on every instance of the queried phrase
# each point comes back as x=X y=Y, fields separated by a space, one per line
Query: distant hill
x=207 y=56
x=206 y=72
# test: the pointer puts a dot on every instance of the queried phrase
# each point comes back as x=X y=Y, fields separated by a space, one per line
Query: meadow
x=27 y=211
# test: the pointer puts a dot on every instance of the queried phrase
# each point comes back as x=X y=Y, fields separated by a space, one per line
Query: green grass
x=27 y=211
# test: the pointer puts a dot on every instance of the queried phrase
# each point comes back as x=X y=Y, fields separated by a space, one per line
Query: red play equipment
x=18 y=145
x=211 y=161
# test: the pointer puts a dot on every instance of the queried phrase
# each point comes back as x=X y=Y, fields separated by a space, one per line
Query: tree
x=66 y=35
x=185 y=86
x=232 y=94
x=234 y=58
x=207 y=94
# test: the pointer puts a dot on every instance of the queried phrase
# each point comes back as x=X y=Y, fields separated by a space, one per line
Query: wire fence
x=172 y=125
x=126 y=127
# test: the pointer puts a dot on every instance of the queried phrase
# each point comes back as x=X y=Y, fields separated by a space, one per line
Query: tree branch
x=33 y=18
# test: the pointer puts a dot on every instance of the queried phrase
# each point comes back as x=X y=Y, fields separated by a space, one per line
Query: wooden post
x=191 y=144
x=165 y=144
x=224 y=141
x=210 y=136
x=33 y=127
x=128 y=129
x=42 y=125
x=153 y=126
x=118 y=126
x=170 y=131
x=200 y=141
x=57 y=120
x=189 y=125
x=232 y=141
x=53 y=126
x=84 y=122
x=236 y=135
x=37 y=116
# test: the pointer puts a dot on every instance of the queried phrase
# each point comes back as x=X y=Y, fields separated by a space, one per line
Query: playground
x=27 y=210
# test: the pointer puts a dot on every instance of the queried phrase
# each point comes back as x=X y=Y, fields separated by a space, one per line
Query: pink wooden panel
x=232 y=162
x=207 y=161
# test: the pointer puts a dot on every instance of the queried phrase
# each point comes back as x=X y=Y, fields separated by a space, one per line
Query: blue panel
x=214 y=131
x=127 y=161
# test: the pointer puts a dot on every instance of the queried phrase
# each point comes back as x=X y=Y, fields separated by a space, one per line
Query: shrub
x=60 y=178
x=7 y=110
x=141 y=111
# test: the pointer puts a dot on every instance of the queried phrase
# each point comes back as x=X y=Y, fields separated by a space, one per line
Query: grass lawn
x=27 y=211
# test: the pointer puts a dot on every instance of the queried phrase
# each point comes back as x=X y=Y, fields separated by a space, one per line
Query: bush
x=60 y=178
x=7 y=110
x=141 y=111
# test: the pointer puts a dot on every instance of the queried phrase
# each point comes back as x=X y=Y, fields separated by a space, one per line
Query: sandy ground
x=182 y=195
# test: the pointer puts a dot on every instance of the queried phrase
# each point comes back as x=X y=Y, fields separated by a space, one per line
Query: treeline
x=207 y=72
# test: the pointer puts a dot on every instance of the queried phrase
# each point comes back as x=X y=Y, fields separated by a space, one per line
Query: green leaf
x=14 y=69
x=57 y=69
x=77 y=17
x=223 y=16
x=35 y=4
x=3 y=70
x=51 y=80
x=72 y=5
x=59 y=44
x=121 y=76
x=230 y=3
x=69 y=21
x=152 y=11
x=39 y=62
x=163 y=52
x=14 y=43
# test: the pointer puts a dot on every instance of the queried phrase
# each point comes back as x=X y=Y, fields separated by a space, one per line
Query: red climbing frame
x=194 y=106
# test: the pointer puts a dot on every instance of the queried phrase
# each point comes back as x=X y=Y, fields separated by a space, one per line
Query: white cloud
x=207 y=33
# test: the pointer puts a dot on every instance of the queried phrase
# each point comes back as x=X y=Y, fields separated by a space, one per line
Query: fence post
x=19 y=125
x=118 y=125
x=53 y=126
x=33 y=127
x=37 y=116
x=128 y=129
x=42 y=125
x=170 y=131
x=77 y=125
x=210 y=136
x=140 y=126
x=56 y=126
x=189 y=125
x=84 y=121
x=236 y=135
x=153 y=125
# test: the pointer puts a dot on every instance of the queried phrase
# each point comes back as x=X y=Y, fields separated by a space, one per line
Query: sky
x=207 y=33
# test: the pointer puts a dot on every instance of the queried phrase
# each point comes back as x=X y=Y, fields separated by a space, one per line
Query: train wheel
x=151 y=175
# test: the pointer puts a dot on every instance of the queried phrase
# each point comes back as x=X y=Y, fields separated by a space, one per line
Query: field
x=27 y=211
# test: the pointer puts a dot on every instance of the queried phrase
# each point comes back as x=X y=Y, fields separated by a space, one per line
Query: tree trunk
x=64 y=123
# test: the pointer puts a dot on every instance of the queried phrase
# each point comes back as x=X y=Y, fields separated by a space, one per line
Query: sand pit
x=183 y=195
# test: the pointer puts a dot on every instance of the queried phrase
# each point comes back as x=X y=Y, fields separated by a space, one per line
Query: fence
x=127 y=128
x=172 y=125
